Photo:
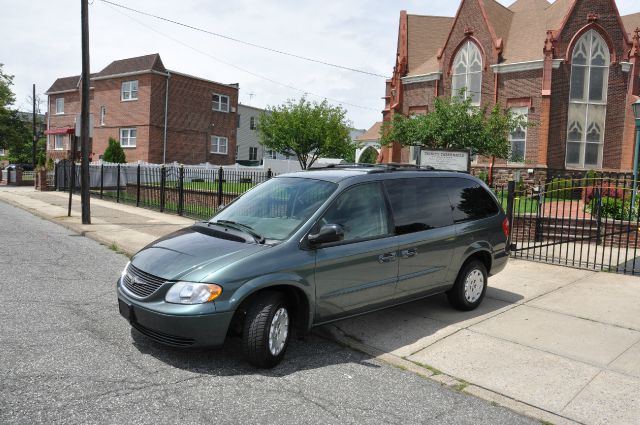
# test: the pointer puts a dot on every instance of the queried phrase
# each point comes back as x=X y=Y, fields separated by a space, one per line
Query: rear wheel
x=468 y=291
x=266 y=330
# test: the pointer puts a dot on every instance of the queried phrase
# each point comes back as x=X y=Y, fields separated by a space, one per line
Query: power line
x=248 y=43
x=305 y=92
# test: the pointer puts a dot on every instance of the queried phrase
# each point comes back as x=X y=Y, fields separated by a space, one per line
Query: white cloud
x=41 y=42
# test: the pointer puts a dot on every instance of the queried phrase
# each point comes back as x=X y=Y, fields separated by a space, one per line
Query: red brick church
x=571 y=67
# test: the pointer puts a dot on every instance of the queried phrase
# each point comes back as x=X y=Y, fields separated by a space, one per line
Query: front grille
x=139 y=283
x=161 y=337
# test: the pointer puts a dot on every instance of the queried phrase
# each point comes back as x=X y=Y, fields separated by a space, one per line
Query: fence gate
x=584 y=222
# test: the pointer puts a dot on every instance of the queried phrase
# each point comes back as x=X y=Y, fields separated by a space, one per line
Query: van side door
x=425 y=232
x=362 y=270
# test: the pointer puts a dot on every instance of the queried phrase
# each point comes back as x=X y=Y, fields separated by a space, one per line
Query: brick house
x=571 y=67
x=156 y=114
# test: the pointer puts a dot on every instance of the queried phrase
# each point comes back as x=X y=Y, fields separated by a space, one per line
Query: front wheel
x=468 y=291
x=266 y=330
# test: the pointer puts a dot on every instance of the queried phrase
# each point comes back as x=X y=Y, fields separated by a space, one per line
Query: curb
x=336 y=334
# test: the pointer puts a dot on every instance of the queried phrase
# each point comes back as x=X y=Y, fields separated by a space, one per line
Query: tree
x=16 y=136
x=369 y=156
x=114 y=152
x=306 y=130
x=456 y=124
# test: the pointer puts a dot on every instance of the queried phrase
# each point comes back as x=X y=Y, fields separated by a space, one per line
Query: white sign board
x=445 y=160
x=78 y=127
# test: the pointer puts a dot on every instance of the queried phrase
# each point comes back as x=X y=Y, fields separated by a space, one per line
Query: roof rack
x=377 y=168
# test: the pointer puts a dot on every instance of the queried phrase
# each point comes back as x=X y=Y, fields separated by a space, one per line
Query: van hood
x=193 y=253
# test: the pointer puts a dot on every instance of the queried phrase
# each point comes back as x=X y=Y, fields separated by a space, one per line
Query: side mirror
x=327 y=234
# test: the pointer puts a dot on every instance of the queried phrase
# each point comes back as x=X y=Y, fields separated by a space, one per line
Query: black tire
x=456 y=295
x=257 y=326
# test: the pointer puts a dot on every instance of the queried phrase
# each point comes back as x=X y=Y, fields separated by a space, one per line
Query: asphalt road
x=66 y=356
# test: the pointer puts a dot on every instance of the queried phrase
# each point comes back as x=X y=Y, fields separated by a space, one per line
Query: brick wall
x=191 y=120
x=616 y=102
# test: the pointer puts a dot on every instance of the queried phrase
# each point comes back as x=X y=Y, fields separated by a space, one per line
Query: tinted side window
x=361 y=211
x=418 y=204
x=470 y=200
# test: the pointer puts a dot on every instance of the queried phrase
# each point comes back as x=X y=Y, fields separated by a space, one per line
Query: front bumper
x=197 y=331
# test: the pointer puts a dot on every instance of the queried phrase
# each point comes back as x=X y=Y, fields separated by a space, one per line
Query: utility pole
x=35 y=135
x=84 y=116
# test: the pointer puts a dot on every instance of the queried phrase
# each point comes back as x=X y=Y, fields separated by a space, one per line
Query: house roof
x=499 y=18
x=522 y=27
x=64 y=84
x=631 y=22
x=137 y=64
x=528 y=23
x=372 y=134
x=425 y=36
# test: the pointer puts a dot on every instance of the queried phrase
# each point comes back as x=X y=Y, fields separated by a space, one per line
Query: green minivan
x=307 y=248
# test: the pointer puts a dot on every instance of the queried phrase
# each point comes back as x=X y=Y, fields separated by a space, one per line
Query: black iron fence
x=190 y=191
x=588 y=221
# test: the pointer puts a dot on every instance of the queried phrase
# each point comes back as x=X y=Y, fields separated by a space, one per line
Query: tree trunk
x=493 y=161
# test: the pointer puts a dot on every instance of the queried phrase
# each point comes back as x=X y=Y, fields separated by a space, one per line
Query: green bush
x=114 y=152
x=613 y=208
x=482 y=175
x=560 y=189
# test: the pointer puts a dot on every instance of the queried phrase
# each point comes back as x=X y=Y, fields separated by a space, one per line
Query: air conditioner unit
x=233 y=109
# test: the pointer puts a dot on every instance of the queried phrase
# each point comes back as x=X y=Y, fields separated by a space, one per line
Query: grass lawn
x=520 y=204
x=207 y=186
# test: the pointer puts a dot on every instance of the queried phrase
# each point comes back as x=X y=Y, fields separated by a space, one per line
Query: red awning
x=63 y=130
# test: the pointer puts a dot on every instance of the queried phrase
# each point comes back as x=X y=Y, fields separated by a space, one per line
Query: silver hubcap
x=473 y=285
x=279 y=331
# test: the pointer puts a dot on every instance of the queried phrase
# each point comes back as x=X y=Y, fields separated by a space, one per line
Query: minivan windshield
x=276 y=208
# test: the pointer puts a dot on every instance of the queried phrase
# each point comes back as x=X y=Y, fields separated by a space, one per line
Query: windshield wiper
x=242 y=227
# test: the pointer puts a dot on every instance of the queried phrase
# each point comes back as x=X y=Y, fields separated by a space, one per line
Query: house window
x=467 y=72
x=58 y=142
x=129 y=90
x=220 y=103
x=128 y=137
x=219 y=145
x=2 y=153
x=252 y=123
x=103 y=114
x=587 y=101
x=518 y=137
x=253 y=154
x=60 y=105
x=271 y=154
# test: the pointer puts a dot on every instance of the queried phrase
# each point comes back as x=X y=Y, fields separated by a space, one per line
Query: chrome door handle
x=387 y=257
x=407 y=253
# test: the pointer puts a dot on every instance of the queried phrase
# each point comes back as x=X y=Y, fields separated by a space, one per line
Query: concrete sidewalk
x=556 y=343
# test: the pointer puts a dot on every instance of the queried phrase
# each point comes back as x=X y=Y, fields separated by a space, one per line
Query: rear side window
x=418 y=204
x=470 y=200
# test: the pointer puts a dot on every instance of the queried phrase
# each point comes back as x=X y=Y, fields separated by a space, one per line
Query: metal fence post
x=511 y=190
x=138 y=186
x=118 y=185
x=163 y=179
x=64 y=175
x=55 y=176
x=181 y=190
x=101 y=179
x=220 y=178
x=598 y=199
x=269 y=174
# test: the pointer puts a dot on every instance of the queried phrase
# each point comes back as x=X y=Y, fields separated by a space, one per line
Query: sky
x=41 y=42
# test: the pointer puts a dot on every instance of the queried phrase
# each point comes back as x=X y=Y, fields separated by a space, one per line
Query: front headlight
x=192 y=293
x=124 y=272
